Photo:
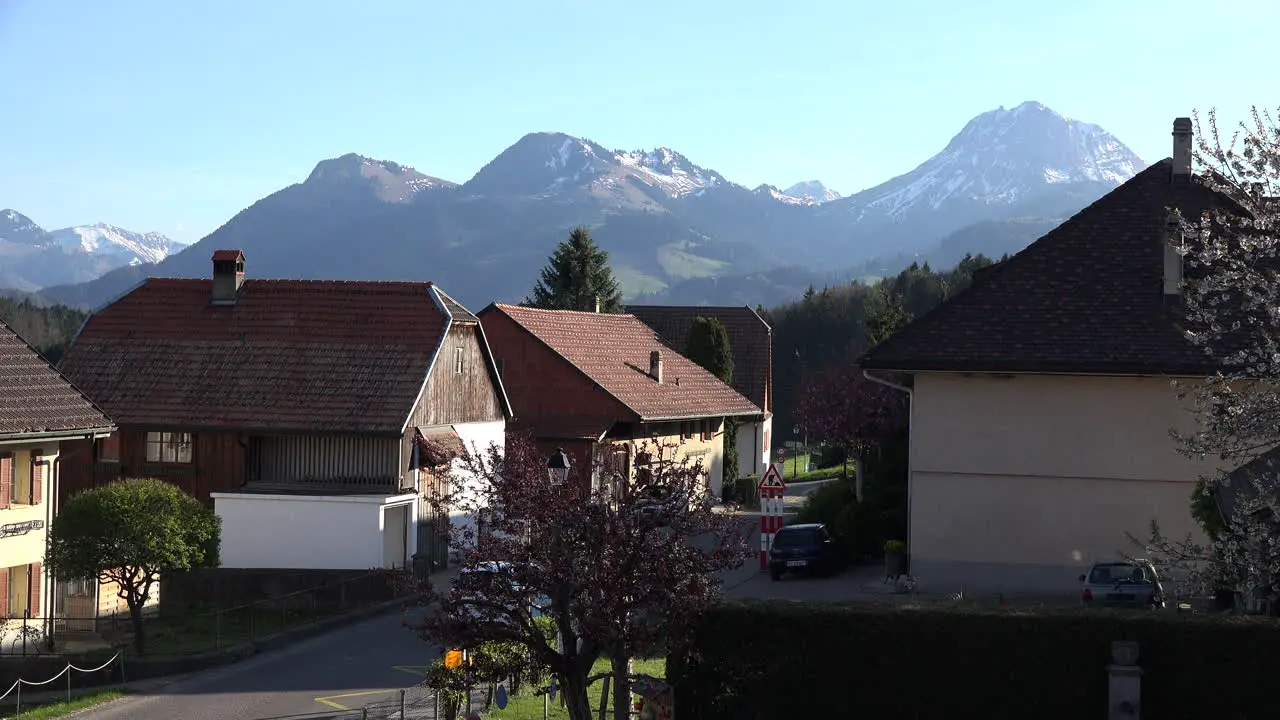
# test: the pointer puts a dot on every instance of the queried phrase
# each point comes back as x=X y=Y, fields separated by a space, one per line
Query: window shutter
x=4 y=592
x=37 y=479
x=6 y=485
x=33 y=592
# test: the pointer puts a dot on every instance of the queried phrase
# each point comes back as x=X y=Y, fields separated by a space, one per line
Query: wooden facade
x=217 y=463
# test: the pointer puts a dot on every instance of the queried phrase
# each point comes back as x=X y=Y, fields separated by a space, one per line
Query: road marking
x=412 y=669
x=328 y=699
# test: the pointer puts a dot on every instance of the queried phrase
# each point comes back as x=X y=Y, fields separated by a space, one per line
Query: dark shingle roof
x=34 y=398
x=289 y=355
x=1085 y=298
x=749 y=337
x=613 y=351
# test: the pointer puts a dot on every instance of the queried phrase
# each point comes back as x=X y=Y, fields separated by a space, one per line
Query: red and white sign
x=771 y=488
x=782 y=454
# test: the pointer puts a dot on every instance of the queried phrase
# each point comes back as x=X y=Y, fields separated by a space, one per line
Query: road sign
x=772 y=480
x=782 y=454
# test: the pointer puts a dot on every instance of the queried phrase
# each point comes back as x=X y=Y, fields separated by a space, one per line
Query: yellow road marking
x=412 y=669
x=328 y=699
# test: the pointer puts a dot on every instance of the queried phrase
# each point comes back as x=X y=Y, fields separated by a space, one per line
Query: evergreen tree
x=576 y=277
x=708 y=345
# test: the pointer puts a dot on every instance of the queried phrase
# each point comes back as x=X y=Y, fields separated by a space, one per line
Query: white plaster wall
x=753 y=450
x=303 y=532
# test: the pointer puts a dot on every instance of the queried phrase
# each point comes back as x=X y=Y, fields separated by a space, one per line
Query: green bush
x=775 y=660
x=829 y=456
x=857 y=526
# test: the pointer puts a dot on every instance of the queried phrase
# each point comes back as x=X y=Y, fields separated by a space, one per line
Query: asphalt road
x=347 y=668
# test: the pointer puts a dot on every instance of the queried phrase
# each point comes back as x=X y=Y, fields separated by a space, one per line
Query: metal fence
x=198 y=630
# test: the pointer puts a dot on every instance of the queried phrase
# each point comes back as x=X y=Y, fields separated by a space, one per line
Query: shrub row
x=773 y=660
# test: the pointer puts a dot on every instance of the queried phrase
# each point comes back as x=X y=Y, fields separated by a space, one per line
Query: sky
x=174 y=116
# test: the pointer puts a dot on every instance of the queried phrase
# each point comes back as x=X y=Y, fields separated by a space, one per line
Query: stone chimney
x=1182 y=148
x=655 y=365
x=228 y=276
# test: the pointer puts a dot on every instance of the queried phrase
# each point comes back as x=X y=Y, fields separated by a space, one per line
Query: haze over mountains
x=676 y=231
x=32 y=257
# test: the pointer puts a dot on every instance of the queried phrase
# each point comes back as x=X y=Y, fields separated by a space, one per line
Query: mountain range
x=676 y=231
x=32 y=257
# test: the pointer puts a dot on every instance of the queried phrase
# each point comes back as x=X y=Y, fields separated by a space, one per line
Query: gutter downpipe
x=911 y=419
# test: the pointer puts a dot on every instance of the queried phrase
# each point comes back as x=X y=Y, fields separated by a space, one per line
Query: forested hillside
x=47 y=329
x=836 y=324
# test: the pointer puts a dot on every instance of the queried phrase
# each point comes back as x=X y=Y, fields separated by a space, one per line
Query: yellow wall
x=21 y=550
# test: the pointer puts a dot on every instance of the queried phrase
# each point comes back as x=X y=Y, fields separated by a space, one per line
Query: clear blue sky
x=173 y=116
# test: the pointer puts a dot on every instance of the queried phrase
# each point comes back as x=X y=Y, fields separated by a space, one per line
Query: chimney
x=1182 y=148
x=228 y=276
x=655 y=365
x=597 y=303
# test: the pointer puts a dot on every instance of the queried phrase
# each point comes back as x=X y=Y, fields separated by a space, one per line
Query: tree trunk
x=135 y=616
x=574 y=692
x=621 y=667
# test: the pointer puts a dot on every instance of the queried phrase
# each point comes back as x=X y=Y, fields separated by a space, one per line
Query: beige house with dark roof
x=39 y=412
x=1041 y=404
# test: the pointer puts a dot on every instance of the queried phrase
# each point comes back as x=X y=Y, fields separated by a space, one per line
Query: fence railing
x=187 y=632
x=13 y=695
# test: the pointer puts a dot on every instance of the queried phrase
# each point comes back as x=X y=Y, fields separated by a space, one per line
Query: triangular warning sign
x=772 y=480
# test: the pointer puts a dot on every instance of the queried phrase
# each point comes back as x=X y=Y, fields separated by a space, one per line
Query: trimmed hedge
x=768 y=660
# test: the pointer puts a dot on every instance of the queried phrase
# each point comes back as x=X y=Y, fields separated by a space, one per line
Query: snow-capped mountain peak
x=813 y=191
x=780 y=196
x=18 y=228
x=1001 y=157
x=670 y=171
x=102 y=239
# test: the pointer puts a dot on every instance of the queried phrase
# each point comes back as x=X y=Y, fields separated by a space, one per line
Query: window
x=19 y=585
x=15 y=479
x=458 y=356
x=108 y=449
x=708 y=429
x=168 y=447
x=686 y=430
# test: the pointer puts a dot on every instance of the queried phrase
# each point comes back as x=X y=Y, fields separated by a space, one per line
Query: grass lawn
x=49 y=710
x=528 y=706
x=202 y=631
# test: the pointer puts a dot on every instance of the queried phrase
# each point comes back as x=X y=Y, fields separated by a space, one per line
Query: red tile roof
x=34 y=398
x=1087 y=297
x=613 y=351
x=750 y=338
x=289 y=355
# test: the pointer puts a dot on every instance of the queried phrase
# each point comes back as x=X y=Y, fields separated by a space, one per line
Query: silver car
x=1122 y=584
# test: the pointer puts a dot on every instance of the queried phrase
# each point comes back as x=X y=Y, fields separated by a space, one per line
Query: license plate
x=797 y=563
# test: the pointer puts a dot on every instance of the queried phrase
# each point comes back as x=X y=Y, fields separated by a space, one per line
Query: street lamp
x=558 y=466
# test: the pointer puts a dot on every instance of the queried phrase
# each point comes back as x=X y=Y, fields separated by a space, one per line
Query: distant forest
x=47 y=329
x=835 y=325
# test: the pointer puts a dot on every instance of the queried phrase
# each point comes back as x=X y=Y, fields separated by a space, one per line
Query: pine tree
x=576 y=277
x=708 y=345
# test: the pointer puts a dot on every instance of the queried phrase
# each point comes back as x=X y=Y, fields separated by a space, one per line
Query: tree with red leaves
x=616 y=573
x=842 y=407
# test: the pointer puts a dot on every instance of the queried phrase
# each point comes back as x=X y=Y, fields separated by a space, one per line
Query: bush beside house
x=769 y=660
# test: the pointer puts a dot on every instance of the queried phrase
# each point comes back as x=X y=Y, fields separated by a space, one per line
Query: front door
x=395 y=536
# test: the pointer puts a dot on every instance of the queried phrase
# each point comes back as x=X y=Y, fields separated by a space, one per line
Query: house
x=751 y=340
x=298 y=409
x=1041 y=405
x=601 y=383
x=41 y=414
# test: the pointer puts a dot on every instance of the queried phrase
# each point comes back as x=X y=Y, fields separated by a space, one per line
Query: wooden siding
x=324 y=460
x=217 y=464
x=539 y=381
x=451 y=397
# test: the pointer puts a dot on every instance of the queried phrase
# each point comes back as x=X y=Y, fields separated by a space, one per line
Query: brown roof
x=564 y=426
x=289 y=355
x=750 y=338
x=1087 y=297
x=613 y=351
x=34 y=398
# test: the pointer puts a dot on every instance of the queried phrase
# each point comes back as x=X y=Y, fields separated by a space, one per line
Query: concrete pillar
x=1124 y=682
